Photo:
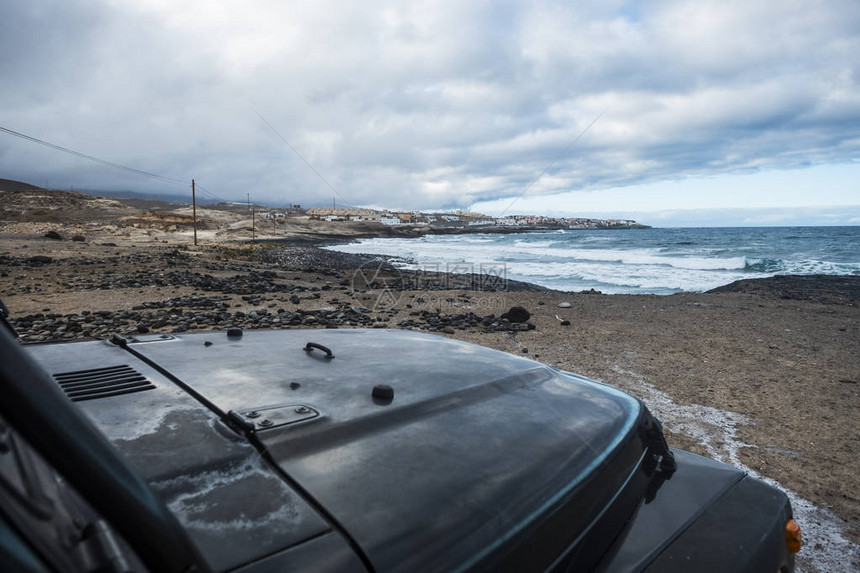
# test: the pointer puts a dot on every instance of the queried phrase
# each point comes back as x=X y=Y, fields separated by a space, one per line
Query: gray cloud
x=424 y=105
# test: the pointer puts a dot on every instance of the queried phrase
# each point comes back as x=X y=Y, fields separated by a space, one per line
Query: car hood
x=475 y=447
x=477 y=451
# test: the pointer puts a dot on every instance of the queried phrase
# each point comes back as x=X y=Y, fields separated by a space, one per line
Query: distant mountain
x=11 y=185
x=145 y=196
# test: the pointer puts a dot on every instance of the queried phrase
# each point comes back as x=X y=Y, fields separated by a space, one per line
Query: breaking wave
x=659 y=261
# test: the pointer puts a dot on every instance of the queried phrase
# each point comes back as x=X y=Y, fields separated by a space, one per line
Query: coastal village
x=451 y=220
x=148 y=218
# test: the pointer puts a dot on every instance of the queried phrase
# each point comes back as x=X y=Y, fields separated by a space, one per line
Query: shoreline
x=615 y=267
x=308 y=251
x=406 y=231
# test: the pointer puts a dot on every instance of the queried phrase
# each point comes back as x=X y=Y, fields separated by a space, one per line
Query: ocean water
x=657 y=261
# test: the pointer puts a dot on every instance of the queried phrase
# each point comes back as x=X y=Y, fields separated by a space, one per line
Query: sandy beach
x=764 y=375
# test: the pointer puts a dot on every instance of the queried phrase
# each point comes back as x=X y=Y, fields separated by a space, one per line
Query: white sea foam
x=534 y=245
x=620 y=278
x=657 y=261
x=813 y=267
x=651 y=257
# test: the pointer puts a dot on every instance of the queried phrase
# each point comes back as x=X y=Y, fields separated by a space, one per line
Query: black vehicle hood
x=476 y=449
x=474 y=446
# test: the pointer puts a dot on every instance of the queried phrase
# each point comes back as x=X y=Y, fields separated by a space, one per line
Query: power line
x=548 y=167
x=96 y=159
x=213 y=195
x=303 y=159
x=110 y=163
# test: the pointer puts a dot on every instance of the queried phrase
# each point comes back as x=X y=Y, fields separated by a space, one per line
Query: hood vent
x=102 y=382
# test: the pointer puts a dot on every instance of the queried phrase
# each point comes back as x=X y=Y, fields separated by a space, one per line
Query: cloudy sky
x=675 y=113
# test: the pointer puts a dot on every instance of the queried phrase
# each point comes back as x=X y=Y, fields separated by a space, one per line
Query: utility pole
x=253 y=220
x=194 y=210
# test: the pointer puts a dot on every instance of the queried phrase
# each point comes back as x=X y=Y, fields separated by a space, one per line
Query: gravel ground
x=774 y=366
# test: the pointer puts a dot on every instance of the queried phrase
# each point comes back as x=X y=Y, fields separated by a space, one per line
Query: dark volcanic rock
x=829 y=289
x=517 y=314
x=263 y=284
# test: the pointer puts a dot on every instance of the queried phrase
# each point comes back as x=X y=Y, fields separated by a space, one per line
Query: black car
x=352 y=450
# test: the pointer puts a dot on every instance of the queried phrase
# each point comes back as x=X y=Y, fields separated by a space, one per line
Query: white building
x=510 y=222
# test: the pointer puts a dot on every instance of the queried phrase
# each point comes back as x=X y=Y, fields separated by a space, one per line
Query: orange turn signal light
x=793 y=536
